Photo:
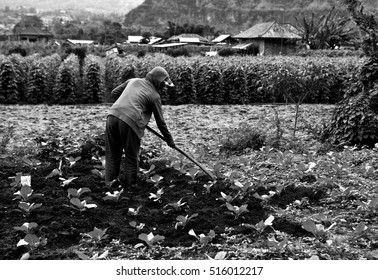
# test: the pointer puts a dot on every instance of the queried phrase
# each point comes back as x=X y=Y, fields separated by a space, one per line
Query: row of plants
x=328 y=173
x=81 y=78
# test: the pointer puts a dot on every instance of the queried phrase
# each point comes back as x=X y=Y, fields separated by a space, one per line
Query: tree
x=28 y=21
x=330 y=30
x=355 y=119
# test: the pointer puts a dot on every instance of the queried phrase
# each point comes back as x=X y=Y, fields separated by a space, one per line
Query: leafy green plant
x=77 y=192
x=96 y=235
x=176 y=205
x=157 y=196
x=81 y=205
x=95 y=256
x=202 y=238
x=7 y=136
x=31 y=241
x=27 y=227
x=28 y=207
x=155 y=179
x=133 y=211
x=237 y=210
x=242 y=138
x=182 y=221
x=370 y=204
x=192 y=173
x=150 y=239
x=137 y=226
x=317 y=230
x=260 y=226
x=114 y=196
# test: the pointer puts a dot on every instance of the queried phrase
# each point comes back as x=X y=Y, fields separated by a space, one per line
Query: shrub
x=178 y=52
x=226 y=52
x=93 y=81
x=67 y=81
x=36 y=91
x=8 y=83
x=234 y=85
x=236 y=141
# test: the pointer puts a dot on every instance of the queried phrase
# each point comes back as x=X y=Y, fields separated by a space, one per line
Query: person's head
x=159 y=77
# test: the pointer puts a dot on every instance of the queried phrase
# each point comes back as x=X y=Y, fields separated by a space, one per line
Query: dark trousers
x=121 y=137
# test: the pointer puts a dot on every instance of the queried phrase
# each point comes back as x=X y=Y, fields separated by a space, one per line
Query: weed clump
x=237 y=140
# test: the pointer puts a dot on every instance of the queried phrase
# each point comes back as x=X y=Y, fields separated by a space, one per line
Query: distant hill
x=230 y=16
x=94 y=6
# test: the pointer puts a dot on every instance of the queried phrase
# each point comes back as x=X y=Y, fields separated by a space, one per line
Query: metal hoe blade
x=185 y=154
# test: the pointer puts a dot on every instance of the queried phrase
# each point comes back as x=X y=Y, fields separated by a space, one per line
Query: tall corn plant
x=67 y=81
x=21 y=67
x=93 y=81
x=8 y=83
x=184 y=91
x=208 y=79
x=51 y=64
x=234 y=85
x=36 y=91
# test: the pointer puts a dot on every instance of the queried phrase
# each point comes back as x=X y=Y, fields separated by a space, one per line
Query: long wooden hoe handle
x=183 y=153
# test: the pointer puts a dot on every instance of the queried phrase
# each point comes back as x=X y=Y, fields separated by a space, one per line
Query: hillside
x=95 y=6
x=230 y=16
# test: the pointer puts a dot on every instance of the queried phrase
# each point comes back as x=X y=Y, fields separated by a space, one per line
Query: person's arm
x=119 y=89
x=160 y=122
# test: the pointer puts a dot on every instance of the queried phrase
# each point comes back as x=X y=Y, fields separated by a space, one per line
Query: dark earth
x=63 y=225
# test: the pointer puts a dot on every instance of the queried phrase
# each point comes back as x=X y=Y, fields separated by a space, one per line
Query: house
x=32 y=34
x=114 y=49
x=269 y=38
x=192 y=39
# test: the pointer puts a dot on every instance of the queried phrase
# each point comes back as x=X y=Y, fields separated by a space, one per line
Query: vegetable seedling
x=157 y=197
x=96 y=256
x=96 y=235
x=176 y=205
x=73 y=160
x=24 y=193
x=27 y=207
x=208 y=186
x=133 y=211
x=236 y=210
x=192 y=173
x=372 y=204
x=226 y=198
x=316 y=229
x=77 y=192
x=115 y=196
x=202 y=238
x=155 y=179
x=136 y=226
x=184 y=220
x=27 y=227
x=272 y=242
x=219 y=256
x=81 y=205
x=66 y=182
x=260 y=226
x=361 y=227
x=32 y=241
x=150 y=239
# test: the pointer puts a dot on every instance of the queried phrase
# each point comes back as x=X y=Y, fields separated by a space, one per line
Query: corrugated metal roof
x=81 y=42
x=185 y=35
x=242 y=46
x=220 y=38
x=169 y=45
x=189 y=40
x=269 y=30
x=32 y=31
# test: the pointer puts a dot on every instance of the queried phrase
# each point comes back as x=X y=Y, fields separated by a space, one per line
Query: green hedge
x=205 y=80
